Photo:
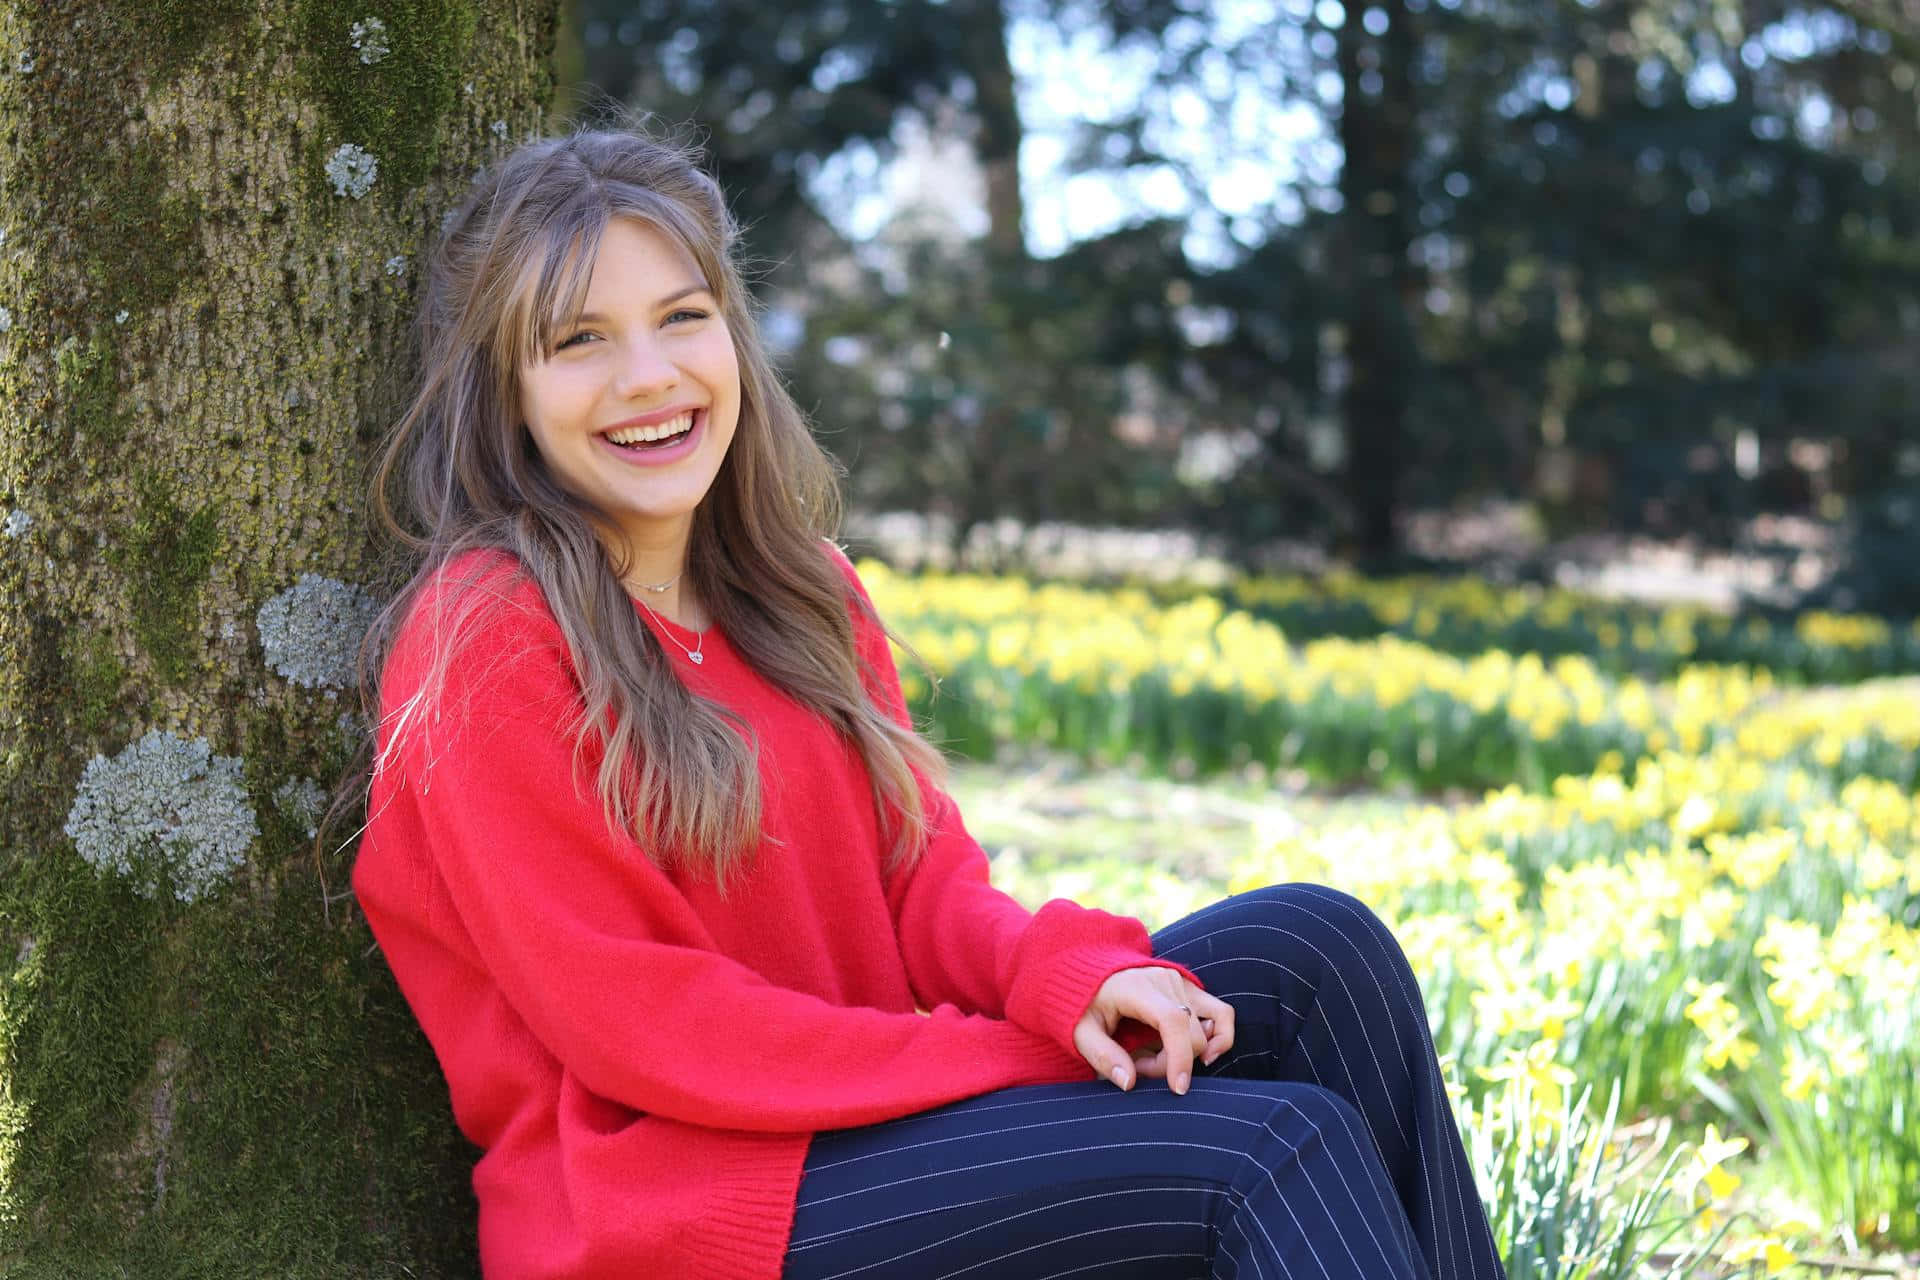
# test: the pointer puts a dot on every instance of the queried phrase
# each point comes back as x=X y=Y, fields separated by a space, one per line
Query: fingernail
x=1180 y=1083
x=1120 y=1076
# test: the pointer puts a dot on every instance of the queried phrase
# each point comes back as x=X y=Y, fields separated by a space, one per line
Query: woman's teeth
x=659 y=431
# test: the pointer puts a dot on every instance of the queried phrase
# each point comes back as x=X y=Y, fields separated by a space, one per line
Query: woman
x=710 y=963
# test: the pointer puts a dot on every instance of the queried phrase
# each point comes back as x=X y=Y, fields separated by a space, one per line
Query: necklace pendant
x=697 y=658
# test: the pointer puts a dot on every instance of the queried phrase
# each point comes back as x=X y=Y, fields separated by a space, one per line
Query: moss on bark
x=139 y=240
x=86 y=376
x=169 y=33
x=390 y=106
x=98 y=680
x=172 y=550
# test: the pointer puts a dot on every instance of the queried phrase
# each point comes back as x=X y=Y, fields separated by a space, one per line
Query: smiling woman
x=749 y=1007
x=634 y=406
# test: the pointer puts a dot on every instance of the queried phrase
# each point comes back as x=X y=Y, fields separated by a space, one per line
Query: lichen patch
x=352 y=169
x=311 y=632
x=164 y=810
x=369 y=37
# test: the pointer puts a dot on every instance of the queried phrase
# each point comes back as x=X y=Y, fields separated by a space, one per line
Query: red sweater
x=641 y=1061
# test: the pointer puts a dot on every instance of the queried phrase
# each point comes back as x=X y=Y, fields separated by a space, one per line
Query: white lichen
x=17 y=522
x=352 y=170
x=311 y=632
x=370 y=38
x=121 y=316
x=6 y=319
x=25 y=63
x=499 y=128
x=397 y=265
x=302 y=800
x=164 y=808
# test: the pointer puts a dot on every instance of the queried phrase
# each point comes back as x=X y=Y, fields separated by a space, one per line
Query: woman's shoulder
x=486 y=595
x=477 y=625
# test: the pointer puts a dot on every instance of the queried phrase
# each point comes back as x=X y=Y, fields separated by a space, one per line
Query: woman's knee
x=1303 y=905
x=1317 y=1106
x=1309 y=1117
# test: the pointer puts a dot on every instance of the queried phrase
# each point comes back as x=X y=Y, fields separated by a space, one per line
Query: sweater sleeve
x=598 y=952
x=967 y=943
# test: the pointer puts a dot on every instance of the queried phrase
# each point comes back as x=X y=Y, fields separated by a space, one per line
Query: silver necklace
x=658 y=587
x=693 y=654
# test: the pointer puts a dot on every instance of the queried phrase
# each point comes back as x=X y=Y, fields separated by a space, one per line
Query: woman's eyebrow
x=589 y=316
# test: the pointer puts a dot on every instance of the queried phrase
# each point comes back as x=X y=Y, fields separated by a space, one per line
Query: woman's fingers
x=1191 y=1024
x=1178 y=1032
x=1102 y=1052
x=1216 y=1018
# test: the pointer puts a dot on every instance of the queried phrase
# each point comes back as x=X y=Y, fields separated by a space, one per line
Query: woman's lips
x=660 y=455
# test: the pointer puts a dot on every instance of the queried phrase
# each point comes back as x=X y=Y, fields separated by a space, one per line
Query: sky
x=1259 y=151
x=1249 y=147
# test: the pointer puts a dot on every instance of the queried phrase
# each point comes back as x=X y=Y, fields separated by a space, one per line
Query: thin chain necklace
x=658 y=587
x=693 y=655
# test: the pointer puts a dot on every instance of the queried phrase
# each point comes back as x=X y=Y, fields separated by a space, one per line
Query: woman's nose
x=645 y=370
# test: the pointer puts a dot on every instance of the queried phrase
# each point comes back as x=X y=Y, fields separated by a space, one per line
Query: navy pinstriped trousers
x=1320 y=1147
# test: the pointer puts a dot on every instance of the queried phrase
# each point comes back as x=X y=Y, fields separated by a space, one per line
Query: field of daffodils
x=1658 y=871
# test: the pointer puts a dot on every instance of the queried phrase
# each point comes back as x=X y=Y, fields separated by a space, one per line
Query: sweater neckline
x=698 y=641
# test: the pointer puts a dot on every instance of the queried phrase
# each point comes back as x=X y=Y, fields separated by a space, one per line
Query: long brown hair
x=677 y=771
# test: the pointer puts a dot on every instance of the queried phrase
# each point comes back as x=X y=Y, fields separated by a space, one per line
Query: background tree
x=1377 y=140
x=1642 y=263
x=1651 y=231
x=213 y=216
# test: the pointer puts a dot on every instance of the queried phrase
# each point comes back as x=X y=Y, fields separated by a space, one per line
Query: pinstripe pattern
x=1320 y=1148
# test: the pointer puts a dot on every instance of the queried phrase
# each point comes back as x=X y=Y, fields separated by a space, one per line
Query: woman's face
x=649 y=356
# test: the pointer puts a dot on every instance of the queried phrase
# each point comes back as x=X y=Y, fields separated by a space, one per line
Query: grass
x=1158 y=848
x=1050 y=823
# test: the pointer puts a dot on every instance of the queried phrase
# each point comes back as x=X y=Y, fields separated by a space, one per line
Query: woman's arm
x=967 y=943
x=600 y=956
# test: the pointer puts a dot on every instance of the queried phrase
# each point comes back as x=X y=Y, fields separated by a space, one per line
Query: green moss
x=172 y=552
x=139 y=241
x=310 y=1134
x=166 y=34
x=391 y=108
x=286 y=1113
x=79 y=1029
x=97 y=682
x=89 y=385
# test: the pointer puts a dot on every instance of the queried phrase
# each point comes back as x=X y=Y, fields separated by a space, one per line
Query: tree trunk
x=205 y=1068
x=1376 y=227
x=997 y=104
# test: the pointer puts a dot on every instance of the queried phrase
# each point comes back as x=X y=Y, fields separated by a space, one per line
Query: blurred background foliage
x=1292 y=271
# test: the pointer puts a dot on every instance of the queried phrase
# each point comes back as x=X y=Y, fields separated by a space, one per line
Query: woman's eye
x=575 y=338
x=689 y=313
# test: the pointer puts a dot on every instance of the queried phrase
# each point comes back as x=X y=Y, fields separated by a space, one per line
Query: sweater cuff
x=1053 y=1003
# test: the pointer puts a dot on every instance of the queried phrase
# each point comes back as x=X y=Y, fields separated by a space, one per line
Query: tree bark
x=1376 y=229
x=997 y=104
x=205 y=1067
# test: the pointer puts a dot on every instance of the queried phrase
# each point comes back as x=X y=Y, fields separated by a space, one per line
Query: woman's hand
x=1191 y=1023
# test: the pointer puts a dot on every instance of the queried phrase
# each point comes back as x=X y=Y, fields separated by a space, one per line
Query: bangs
x=550 y=289
x=551 y=286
